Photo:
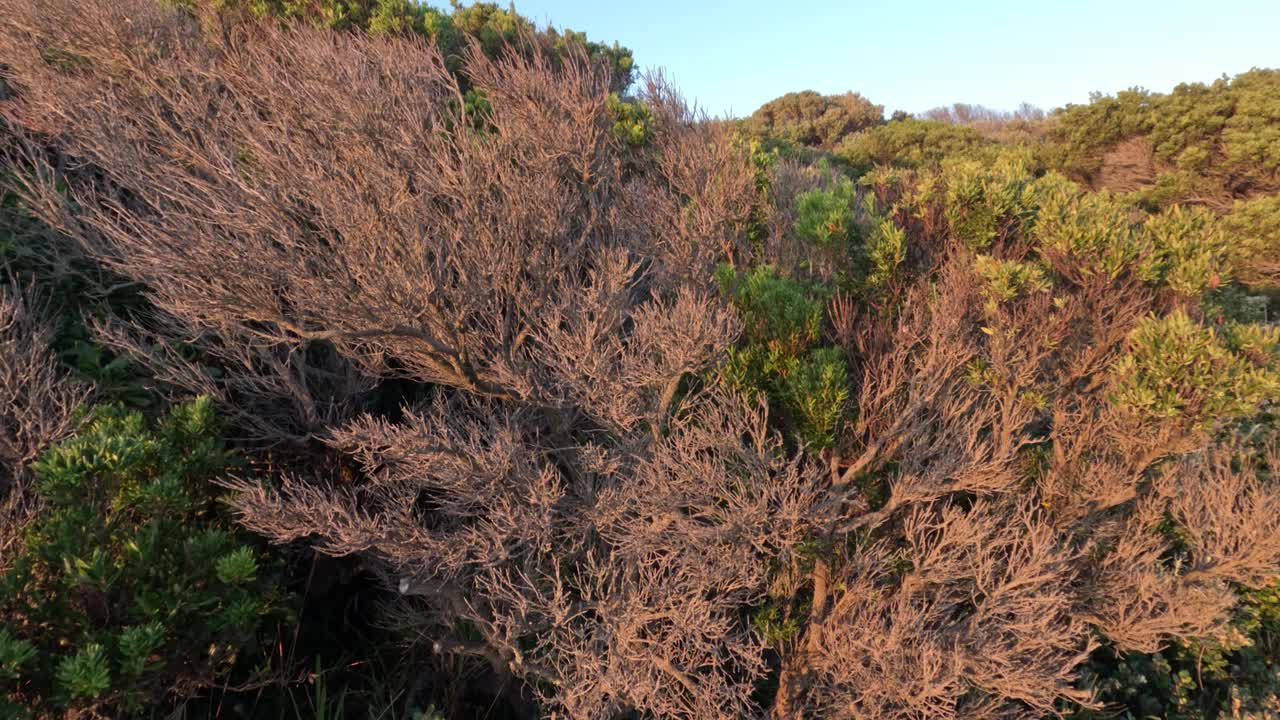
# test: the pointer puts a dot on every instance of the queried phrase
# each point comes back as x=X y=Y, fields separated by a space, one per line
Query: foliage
x=1104 y=121
x=1178 y=368
x=908 y=143
x=1224 y=131
x=825 y=217
x=985 y=205
x=1237 y=675
x=1004 y=280
x=780 y=313
x=1095 y=231
x=633 y=122
x=816 y=392
x=885 y=250
x=779 y=356
x=1253 y=236
x=808 y=118
x=130 y=583
x=1189 y=251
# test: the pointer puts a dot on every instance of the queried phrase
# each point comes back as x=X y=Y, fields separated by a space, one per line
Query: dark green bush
x=780 y=354
x=1237 y=676
x=632 y=124
x=132 y=583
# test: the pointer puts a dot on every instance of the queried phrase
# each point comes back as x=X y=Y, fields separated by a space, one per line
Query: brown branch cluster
x=309 y=211
x=314 y=213
x=1026 y=516
x=616 y=584
x=38 y=406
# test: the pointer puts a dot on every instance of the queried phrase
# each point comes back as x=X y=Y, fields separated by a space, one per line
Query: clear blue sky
x=917 y=54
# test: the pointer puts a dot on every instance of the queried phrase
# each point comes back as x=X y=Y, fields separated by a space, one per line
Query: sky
x=913 y=55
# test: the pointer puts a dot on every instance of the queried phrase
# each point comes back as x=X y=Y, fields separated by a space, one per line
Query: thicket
x=1214 y=139
x=621 y=411
x=1204 y=144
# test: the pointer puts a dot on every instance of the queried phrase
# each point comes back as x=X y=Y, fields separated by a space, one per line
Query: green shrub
x=1082 y=130
x=861 y=247
x=779 y=356
x=14 y=655
x=809 y=118
x=1176 y=367
x=1004 y=280
x=983 y=204
x=131 y=582
x=1189 y=251
x=809 y=390
x=884 y=250
x=1253 y=235
x=777 y=312
x=815 y=390
x=909 y=143
x=825 y=217
x=1251 y=136
x=1237 y=676
x=632 y=121
x=1185 y=124
x=1218 y=139
x=1095 y=231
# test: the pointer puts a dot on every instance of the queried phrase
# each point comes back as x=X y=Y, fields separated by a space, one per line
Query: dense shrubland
x=613 y=410
x=1200 y=144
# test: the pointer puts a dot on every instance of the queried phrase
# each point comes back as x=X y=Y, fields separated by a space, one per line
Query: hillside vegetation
x=369 y=359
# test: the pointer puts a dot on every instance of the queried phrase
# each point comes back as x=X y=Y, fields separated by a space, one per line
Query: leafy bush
x=1251 y=136
x=1224 y=132
x=779 y=356
x=131 y=583
x=808 y=118
x=1235 y=675
x=884 y=250
x=1004 y=280
x=826 y=217
x=1179 y=368
x=1190 y=252
x=777 y=312
x=1105 y=120
x=1253 y=234
x=632 y=124
x=985 y=205
x=1097 y=233
x=908 y=143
